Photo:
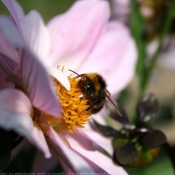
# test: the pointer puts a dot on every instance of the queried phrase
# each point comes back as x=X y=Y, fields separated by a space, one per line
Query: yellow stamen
x=74 y=114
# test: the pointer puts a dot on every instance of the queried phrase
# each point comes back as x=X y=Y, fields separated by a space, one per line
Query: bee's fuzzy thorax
x=98 y=81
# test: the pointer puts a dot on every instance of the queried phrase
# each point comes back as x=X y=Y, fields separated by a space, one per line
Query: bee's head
x=86 y=85
x=91 y=83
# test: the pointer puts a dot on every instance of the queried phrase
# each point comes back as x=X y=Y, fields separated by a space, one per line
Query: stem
x=154 y=59
x=170 y=153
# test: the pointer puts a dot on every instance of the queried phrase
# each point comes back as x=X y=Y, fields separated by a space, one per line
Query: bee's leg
x=94 y=109
x=89 y=108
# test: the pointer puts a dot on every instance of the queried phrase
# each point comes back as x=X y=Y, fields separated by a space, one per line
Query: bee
x=94 y=90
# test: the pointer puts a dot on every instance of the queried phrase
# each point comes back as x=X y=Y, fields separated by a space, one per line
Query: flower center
x=74 y=112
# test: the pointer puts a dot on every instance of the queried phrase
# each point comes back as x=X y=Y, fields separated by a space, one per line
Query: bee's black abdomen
x=96 y=103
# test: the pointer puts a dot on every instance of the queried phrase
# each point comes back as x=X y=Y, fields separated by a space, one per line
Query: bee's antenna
x=75 y=72
x=107 y=94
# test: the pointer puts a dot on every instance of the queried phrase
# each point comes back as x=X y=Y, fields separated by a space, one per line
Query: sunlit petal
x=36 y=35
x=79 y=144
x=69 y=155
x=60 y=76
x=70 y=41
x=94 y=136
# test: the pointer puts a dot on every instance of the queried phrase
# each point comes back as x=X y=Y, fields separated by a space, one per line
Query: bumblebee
x=93 y=88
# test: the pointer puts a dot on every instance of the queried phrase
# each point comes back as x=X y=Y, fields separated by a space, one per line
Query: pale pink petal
x=32 y=29
x=100 y=140
x=96 y=168
x=16 y=111
x=15 y=11
x=7 y=63
x=74 y=34
x=11 y=33
x=66 y=168
x=7 y=49
x=78 y=143
x=3 y=76
x=90 y=133
x=75 y=162
x=114 y=57
x=34 y=75
x=36 y=35
x=86 y=144
x=60 y=76
x=39 y=86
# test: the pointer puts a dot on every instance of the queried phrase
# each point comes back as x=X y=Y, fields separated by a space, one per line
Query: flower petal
x=100 y=140
x=3 y=76
x=34 y=76
x=7 y=63
x=116 y=53
x=39 y=85
x=15 y=10
x=75 y=162
x=78 y=143
x=16 y=110
x=10 y=33
x=60 y=76
x=7 y=49
x=70 y=41
x=36 y=35
x=32 y=29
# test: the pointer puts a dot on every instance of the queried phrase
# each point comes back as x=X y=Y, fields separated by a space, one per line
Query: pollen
x=74 y=114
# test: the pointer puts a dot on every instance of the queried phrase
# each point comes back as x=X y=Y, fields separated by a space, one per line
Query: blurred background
x=147 y=21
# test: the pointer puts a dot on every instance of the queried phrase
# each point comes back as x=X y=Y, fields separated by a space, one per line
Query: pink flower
x=94 y=44
x=17 y=108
